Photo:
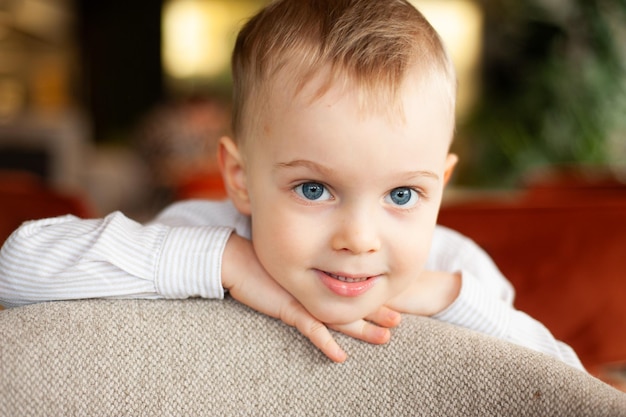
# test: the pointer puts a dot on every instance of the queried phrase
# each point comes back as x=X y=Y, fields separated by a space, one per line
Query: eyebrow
x=422 y=174
x=329 y=171
x=303 y=163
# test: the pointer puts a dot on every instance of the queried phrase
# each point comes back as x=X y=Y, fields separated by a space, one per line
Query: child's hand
x=249 y=283
x=430 y=294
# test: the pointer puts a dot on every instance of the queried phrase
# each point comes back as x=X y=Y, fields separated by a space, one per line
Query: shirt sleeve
x=176 y=256
x=485 y=302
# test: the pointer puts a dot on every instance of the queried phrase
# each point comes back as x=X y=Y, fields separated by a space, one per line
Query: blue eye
x=313 y=191
x=402 y=196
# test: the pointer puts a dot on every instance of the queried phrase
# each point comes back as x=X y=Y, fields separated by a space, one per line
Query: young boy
x=343 y=119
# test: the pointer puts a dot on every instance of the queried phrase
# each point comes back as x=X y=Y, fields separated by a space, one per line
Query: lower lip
x=347 y=289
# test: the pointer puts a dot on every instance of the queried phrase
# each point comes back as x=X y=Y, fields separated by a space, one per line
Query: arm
x=177 y=255
x=70 y=258
x=471 y=292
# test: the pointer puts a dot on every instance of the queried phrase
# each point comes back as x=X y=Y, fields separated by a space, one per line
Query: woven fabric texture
x=219 y=358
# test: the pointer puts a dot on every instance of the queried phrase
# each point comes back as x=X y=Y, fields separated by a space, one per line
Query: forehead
x=419 y=97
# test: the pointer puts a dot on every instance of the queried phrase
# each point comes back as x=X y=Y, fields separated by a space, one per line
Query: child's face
x=344 y=202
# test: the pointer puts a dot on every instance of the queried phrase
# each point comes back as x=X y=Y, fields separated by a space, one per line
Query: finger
x=385 y=317
x=364 y=330
x=295 y=315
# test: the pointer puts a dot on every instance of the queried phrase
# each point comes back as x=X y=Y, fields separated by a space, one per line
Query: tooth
x=346 y=279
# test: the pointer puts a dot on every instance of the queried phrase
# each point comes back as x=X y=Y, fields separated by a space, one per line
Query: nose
x=356 y=232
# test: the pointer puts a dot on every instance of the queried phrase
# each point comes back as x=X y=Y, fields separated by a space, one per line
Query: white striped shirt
x=179 y=255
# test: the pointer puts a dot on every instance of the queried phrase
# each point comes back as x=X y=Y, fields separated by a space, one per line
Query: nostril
x=356 y=243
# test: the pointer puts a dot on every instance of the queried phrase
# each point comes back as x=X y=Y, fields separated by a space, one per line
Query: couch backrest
x=211 y=357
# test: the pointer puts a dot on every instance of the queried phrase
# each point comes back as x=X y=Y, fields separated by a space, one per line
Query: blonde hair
x=369 y=44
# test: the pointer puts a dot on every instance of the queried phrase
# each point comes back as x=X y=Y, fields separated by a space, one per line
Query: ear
x=234 y=174
x=451 y=161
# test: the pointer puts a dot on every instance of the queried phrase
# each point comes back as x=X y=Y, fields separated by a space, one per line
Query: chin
x=337 y=316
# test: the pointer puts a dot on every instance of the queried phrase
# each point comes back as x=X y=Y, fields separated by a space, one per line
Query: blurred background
x=121 y=102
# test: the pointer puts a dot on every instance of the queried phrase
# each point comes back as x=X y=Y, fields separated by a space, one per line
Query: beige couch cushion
x=210 y=357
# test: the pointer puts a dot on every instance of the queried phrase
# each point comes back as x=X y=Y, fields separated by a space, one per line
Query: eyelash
x=415 y=193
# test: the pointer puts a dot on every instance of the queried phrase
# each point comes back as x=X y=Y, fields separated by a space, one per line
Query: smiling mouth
x=348 y=286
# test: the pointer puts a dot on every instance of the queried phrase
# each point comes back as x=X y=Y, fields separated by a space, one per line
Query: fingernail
x=340 y=356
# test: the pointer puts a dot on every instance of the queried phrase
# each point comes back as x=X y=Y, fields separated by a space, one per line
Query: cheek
x=281 y=242
x=409 y=253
